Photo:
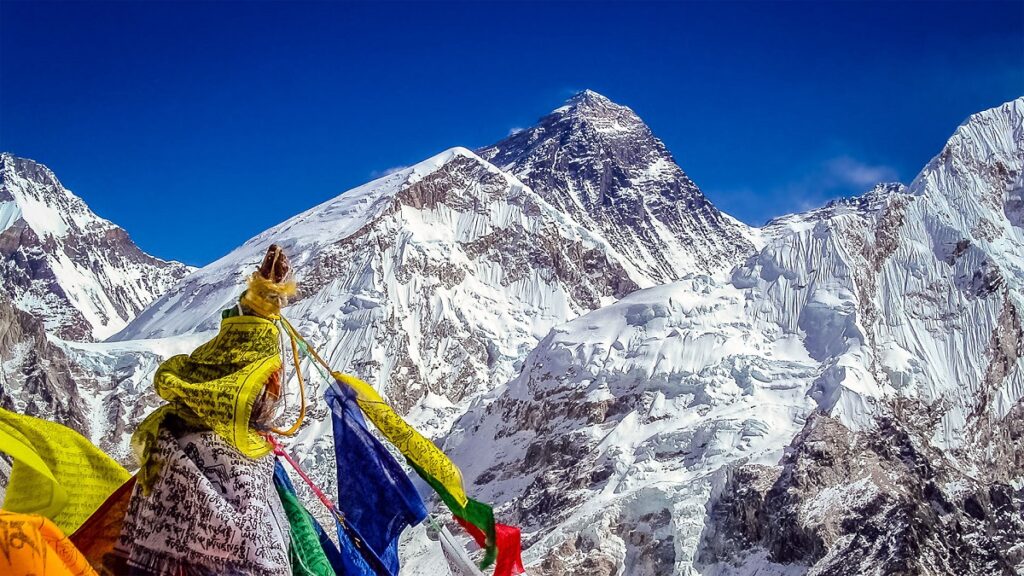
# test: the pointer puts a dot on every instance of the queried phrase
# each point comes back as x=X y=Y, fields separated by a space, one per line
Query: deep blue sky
x=196 y=126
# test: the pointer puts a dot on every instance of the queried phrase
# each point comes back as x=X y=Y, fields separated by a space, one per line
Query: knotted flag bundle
x=205 y=501
x=214 y=388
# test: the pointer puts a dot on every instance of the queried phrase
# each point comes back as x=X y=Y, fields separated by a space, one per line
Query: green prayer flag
x=307 y=556
x=476 y=513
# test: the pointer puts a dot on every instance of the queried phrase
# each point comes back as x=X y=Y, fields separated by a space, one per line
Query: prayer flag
x=374 y=493
x=307 y=554
x=31 y=544
x=57 y=472
x=215 y=388
x=413 y=445
x=458 y=560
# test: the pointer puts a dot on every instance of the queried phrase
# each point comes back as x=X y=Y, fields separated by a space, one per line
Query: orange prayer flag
x=31 y=545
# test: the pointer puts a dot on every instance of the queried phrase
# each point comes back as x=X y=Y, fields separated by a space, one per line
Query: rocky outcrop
x=880 y=501
x=36 y=377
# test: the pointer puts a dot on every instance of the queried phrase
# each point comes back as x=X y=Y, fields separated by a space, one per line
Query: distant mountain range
x=646 y=385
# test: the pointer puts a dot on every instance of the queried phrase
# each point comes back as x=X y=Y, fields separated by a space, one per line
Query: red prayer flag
x=510 y=561
x=97 y=537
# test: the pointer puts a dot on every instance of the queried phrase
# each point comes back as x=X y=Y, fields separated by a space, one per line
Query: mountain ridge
x=614 y=442
x=80 y=273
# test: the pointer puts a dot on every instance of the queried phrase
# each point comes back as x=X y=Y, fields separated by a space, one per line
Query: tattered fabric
x=476 y=514
x=507 y=541
x=431 y=464
x=210 y=511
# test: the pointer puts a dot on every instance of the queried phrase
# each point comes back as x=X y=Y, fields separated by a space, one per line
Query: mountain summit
x=599 y=163
x=79 y=273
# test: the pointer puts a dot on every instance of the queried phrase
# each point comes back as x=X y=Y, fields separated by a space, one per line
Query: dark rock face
x=80 y=274
x=36 y=377
x=882 y=501
x=599 y=163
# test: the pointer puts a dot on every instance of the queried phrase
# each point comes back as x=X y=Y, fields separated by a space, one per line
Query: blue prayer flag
x=375 y=494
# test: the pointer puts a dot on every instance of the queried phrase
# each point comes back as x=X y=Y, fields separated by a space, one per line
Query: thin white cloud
x=387 y=171
x=515 y=130
x=848 y=171
x=837 y=176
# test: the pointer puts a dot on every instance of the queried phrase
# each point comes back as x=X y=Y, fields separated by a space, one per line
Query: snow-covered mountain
x=78 y=273
x=653 y=388
x=437 y=280
x=432 y=282
x=596 y=161
x=876 y=343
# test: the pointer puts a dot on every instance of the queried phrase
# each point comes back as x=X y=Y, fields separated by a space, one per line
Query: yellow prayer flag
x=411 y=443
x=57 y=472
x=215 y=388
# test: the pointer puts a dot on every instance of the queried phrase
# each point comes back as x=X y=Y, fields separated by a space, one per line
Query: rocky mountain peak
x=11 y=164
x=871 y=202
x=30 y=191
x=79 y=273
x=590 y=111
x=433 y=282
x=588 y=96
x=980 y=167
x=598 y=162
